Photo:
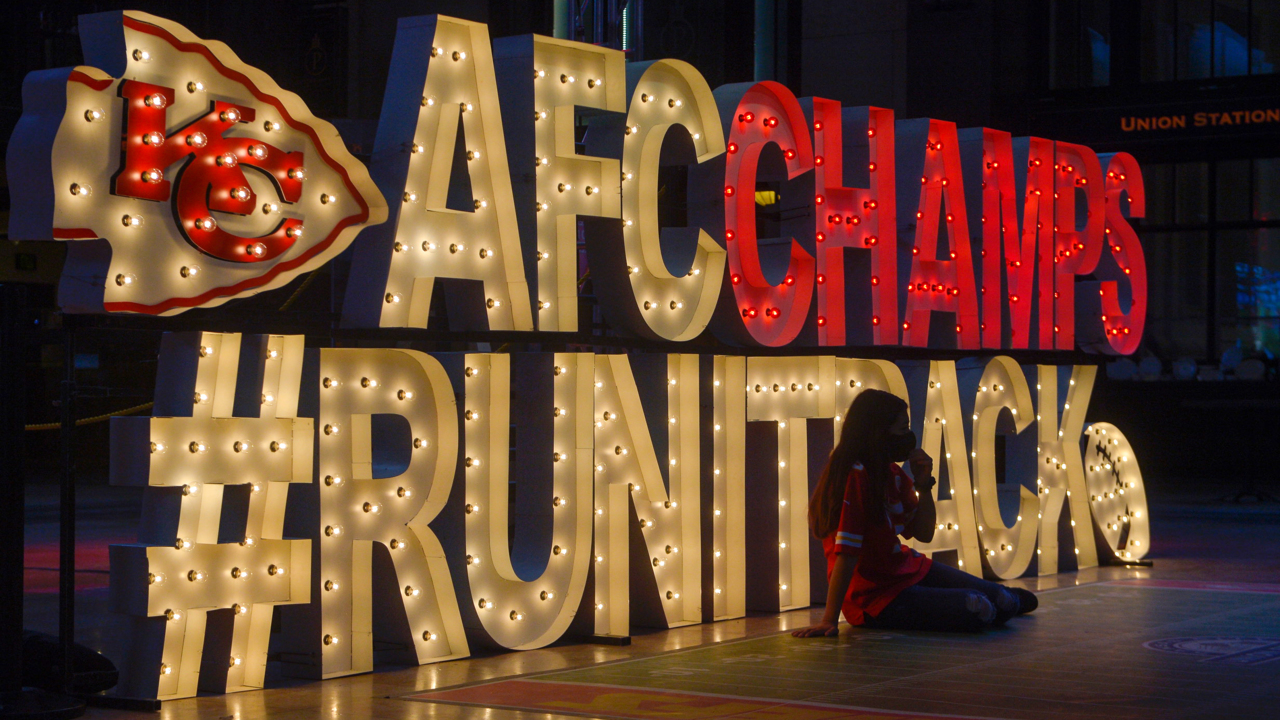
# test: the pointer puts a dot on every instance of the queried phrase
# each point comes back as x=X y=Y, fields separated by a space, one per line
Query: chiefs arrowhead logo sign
x=183 y=177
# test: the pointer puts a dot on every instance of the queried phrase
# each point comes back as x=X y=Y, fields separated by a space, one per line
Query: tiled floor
x=1125 y=648
x=1081 y=655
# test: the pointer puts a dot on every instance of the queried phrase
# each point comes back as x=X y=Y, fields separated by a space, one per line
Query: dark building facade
x=1189 y=87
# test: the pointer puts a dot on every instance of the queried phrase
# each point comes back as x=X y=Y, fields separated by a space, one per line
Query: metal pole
x=67 y=508
x=766 y=40
x=563 y=19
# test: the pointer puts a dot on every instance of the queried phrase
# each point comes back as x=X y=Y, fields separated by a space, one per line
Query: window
x=1177 y=311
x=1249 y=290
x=1080 y=43
x=1213 y=257
x=1192 y=39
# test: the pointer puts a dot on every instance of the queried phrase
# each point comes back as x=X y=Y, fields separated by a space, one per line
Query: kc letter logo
x=183 y=177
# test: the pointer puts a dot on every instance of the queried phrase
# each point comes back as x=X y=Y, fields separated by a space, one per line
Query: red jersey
x=886 y=567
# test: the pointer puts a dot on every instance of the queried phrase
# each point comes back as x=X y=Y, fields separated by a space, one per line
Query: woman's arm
x=926 y=519
x=837 y=589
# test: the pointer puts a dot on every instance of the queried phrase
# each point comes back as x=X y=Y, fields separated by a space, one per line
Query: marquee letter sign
x=183 y=178
x=212 y=441
x=205 y=179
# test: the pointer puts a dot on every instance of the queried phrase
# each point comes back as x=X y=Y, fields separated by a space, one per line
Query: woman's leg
x=945 y=576
x=935 y=609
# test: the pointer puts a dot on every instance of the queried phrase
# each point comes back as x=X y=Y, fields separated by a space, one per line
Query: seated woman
x=862 y=503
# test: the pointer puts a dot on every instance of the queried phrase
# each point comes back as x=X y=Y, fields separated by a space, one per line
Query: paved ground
x=1118 y=649
x=1196 y=636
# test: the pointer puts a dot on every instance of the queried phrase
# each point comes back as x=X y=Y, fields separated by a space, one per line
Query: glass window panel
x=1176 y=316
x=1158 y=41
x=1266 y=189
x=1158 y=181
x=1194 y=39
x=1192 y=193
x=1264 y=45
x=1249 y=289
x=1064 y=48
x=1231 y=37
x=1095 y=43
x=1233 y=191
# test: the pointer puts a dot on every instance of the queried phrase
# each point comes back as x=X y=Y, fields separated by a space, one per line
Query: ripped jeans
x=947 y=600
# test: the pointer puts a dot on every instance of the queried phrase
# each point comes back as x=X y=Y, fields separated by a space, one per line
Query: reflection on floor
x=1197 y=636
x=1125 y=648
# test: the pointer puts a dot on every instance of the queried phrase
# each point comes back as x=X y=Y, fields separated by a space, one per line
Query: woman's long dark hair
x=864 y=438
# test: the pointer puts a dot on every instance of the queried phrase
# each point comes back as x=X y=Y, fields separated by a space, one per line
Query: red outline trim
x=84 y=79
x=75 y=234
x=299 y=125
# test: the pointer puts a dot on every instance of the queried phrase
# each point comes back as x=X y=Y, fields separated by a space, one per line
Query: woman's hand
x=822 y=629
x=921 y=469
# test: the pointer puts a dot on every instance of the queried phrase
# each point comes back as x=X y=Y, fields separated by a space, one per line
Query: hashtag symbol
x=213 y=443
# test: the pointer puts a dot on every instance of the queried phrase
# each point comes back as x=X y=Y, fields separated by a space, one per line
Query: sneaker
x=1026 y=600
x=1007 y=605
